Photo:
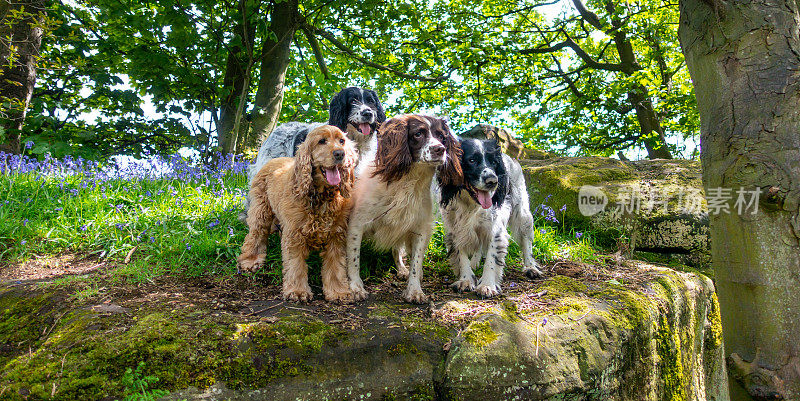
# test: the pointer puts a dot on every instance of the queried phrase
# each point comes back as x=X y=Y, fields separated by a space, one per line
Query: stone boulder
x=654 y=205
x=636 y=332
x=663 y=342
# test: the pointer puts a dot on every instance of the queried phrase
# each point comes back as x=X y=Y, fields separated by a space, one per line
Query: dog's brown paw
x=415 y=297
x=339 y=297
x=298 y=296
x=250 y=264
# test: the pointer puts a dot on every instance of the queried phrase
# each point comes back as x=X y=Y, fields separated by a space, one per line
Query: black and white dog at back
x=477 y=215
x=356 y=111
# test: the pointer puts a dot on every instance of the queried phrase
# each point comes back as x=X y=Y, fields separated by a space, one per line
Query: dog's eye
x=418 y=134
x=322 y=141
x=341 y=141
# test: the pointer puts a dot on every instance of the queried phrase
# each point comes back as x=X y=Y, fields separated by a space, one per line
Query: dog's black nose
x=490 y=180
x=437 y=150
x=367 y=113
x=338 y=155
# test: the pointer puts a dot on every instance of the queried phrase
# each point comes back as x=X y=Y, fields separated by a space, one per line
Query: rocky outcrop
x=660 y=343
x=655 y=205
x=638 y=333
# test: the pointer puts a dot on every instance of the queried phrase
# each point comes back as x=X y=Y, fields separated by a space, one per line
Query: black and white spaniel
x=356 y=111
x=392 y=200
x=478 y=212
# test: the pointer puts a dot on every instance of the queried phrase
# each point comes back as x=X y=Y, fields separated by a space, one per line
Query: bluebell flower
x=578 y=235
x=28 y=144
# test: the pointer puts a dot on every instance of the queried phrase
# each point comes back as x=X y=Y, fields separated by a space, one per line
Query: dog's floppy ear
x=393 y=159
x=450 y=172
x=338 y=110
x=449 y=187
x=303 y=169
x=348 y=168
x=499 y=169
x=378 y=106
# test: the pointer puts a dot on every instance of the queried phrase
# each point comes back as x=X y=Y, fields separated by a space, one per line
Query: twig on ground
x=265 y=309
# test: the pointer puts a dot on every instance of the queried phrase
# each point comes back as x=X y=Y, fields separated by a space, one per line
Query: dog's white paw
x=415 y=296
x=488 y=291
x=464 y=285
x=358 y=291
x=402 y=273
x=532 y=272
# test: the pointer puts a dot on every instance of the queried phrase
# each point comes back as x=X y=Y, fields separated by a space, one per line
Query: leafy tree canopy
x=556 y=73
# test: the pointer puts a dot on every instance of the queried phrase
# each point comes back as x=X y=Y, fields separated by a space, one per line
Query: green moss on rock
x=479 y=334
x=668 y=347
x=181 y=348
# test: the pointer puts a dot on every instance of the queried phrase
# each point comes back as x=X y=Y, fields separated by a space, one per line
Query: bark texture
x=744 y=61
x=20 y=39
x=237 y=81
x=269 y=97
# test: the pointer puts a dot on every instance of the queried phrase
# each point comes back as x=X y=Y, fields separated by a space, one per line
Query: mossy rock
x=657 y=340
x=658 y=343
x=656 y=205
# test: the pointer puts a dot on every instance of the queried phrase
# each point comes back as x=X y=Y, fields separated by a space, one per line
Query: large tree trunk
x=743 y=59
x=236 y=81
x=18 y=65
x=275 y=60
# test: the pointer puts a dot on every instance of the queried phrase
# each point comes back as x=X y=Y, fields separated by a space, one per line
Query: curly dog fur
x=306 y=198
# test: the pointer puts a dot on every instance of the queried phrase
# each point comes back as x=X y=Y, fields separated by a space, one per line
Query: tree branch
x=312 y=41
x=578 y=51
x=587 y=15
x=341 y=46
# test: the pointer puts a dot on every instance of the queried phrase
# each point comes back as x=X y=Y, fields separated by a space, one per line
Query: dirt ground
x=253 y=297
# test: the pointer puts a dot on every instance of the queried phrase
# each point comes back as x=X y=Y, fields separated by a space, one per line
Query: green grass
x=183 y=227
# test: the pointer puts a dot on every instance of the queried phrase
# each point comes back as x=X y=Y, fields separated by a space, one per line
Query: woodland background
x=128 y=77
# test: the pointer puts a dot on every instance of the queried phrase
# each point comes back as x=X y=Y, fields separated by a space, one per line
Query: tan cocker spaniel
x=306 y=199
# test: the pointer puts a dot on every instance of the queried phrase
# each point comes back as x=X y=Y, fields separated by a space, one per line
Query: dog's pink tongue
x=332 y=175
x=484 y=199
x=365 y=128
